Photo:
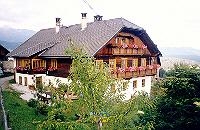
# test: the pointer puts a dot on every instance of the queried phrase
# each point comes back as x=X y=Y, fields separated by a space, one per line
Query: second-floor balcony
x=134 y=72
x=27 y=70
x=129 y=51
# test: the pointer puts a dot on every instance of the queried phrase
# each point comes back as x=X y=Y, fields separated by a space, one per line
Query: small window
x=20 y=80
x=134 y=84
x=113 y=88
x=143 y=82
x=129 y=63
x=54 y=63
x=123 y=41
x=135 y=62
x=117 y=40
x=112 y=63
x=143 y=61
x=99 y=64
x=124 y=63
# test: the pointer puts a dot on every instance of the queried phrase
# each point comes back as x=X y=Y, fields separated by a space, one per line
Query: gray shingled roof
x=92 y=38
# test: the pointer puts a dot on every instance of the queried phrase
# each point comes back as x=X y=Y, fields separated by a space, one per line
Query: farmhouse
x=3 y=53
x=126 y=47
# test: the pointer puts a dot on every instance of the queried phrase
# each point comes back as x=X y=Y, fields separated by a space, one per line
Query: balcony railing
x=27 y=70
x=128 y=51
x=135 y=72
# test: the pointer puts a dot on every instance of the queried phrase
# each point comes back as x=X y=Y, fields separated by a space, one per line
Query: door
x=38 y=81
x=25 y=81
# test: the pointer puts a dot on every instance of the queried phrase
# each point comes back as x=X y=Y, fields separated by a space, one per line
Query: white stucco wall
x=45 y=79
x=130 y=91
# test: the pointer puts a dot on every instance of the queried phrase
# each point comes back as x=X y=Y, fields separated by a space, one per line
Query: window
x=54 y=63
x=37 y=63
x=134 y=84
x=99 y=64
x=143 y=61
x=135 y=62
x=153 y=60
x=113 y=88
x=112 y=63
x=129 y=63
x=117 y=40
x=20 y=80
x=23 y=62
x=123 y=41
x=143 y=82
x=124 y=63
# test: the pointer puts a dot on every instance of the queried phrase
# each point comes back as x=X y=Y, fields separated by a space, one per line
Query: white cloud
x=168 y=22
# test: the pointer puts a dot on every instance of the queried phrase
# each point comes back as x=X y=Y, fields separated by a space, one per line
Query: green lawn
x=1 y=120
x=21 y=116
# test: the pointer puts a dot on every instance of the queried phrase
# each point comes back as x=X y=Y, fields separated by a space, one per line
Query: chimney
x=84 y=21
x=98 y=18
x=58 y=21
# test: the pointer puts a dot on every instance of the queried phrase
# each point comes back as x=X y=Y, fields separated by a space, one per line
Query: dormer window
x=123 y=41
x=117 y=40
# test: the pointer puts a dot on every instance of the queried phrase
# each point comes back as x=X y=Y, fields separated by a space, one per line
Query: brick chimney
x=58 y=24
x=83 y=21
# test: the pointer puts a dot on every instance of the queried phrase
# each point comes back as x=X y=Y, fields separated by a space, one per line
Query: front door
x=38 y=81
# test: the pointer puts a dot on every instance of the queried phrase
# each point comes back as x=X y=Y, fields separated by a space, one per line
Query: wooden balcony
x=128 y=51
x=135 y=74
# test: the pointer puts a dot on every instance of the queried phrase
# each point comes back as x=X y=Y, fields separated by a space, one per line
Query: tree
x=97 y=106
x=178 y=108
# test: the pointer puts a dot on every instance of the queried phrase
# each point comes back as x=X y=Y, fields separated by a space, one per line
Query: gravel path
x=4 y=81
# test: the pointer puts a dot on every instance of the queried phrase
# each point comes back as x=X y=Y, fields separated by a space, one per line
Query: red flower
x=134 y=46
x=124 y=46
x=150 y=66
x=134 y=68
x=121 y=70
x=141 y=68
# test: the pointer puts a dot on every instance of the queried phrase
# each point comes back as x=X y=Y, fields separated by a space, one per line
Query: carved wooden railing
x=127 y=74
x=129 y=51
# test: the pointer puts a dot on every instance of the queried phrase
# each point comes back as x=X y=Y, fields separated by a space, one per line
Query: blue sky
x=172 y=23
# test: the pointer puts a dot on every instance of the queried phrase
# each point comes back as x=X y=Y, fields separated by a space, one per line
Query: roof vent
x=84 y=21
x=98 y=18
x=58 y=24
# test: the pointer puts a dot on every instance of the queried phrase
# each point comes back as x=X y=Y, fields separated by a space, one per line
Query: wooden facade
x=53 y=67
x=125 y=53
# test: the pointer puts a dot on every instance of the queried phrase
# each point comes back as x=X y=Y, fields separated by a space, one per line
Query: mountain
x=181 y=52
x=10 y=38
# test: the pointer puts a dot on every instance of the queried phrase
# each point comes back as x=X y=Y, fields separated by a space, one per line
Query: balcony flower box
x=135 y=74
x=129 y=74
x=149 y=71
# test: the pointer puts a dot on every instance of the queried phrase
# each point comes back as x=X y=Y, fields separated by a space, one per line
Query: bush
x=32 y=103
x=42 y=108
x=12 y=81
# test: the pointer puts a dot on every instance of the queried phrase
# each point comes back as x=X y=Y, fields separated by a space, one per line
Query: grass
x=12 y=81
x=6 y=74
x=21 y=116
